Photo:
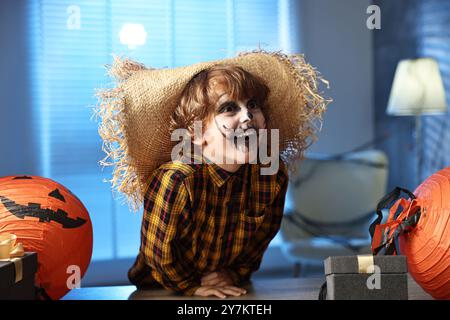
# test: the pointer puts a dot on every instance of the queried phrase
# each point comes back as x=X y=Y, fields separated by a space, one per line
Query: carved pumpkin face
x=48 y=219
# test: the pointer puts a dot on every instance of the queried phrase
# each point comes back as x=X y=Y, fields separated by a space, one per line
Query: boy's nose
x=246 y=115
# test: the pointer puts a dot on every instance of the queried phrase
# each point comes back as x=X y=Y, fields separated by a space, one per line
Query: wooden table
x=259 y=289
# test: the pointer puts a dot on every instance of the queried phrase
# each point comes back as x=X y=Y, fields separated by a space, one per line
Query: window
x=72 y=40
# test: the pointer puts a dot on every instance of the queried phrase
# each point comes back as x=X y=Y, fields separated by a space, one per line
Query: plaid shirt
x=200 y=218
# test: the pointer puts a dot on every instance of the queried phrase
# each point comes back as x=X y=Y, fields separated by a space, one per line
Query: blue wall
x=335 y=40
x=18 y=155
x=411 y=29
x=395 y=41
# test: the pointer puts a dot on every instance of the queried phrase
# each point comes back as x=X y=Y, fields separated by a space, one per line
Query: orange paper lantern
x=422 y=225
x=48 y=219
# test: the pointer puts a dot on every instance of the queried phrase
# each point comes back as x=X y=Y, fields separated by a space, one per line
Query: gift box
x=17 y=277
x=366 y=278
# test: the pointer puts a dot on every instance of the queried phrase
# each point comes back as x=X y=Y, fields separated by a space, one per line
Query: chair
x=333 y=202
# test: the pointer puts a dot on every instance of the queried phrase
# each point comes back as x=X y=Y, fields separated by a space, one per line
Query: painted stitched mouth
x=241 y=132
x=244 y=139
x=243 y=136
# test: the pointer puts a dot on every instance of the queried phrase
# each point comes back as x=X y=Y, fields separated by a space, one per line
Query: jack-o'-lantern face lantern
x=48 y=219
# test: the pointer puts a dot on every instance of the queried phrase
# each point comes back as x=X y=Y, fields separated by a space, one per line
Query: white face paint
x=231 y=136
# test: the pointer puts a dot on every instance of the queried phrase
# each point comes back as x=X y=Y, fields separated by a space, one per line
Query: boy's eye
x=251 y=104
x=229 y=107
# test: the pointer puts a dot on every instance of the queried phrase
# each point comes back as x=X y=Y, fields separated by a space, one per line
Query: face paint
x=240 y=138
x=231 y=134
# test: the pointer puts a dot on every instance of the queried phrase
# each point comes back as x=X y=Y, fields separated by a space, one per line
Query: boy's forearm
x=240 y=275
x=190 y=290
x=175 y=278
x=186 y=287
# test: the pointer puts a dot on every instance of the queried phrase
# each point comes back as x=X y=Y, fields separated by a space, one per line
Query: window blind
x=71 y=41
x=434 y=41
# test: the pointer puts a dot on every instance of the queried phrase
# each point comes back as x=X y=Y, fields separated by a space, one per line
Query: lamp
x=417 y=90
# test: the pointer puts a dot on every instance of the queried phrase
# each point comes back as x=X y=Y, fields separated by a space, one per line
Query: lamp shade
x=417 y=89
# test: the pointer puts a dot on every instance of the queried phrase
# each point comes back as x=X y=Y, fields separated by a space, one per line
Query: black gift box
x=23 y=289
x=348 y=278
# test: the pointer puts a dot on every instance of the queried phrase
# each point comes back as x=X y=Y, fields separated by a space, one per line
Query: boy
x=210 y=215
x=210 y=244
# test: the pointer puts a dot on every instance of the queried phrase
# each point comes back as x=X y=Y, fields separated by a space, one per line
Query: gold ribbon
x=10 y=251
x=364 y=263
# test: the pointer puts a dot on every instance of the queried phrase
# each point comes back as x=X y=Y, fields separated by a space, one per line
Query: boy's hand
x=217 y=278
x=221 y=292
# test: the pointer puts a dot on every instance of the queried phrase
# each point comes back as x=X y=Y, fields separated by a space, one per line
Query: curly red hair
x=199 y=97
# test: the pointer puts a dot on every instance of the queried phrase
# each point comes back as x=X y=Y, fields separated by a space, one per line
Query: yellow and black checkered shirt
x=200 y=218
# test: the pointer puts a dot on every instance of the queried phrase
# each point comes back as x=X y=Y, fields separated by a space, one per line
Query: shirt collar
x=219 y=175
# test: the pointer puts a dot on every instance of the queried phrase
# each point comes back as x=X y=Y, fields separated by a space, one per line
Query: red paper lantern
x=48 y=219
x=427 y=246
x=422 y=226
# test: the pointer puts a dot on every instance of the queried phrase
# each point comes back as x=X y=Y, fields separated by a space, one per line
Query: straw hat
x=135 y=114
